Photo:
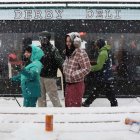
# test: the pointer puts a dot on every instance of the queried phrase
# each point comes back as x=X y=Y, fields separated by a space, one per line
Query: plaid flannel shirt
x=77 y=66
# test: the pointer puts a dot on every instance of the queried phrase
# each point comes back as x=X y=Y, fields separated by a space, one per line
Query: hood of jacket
x=106 y=47
x=37 y=53
x=75 y=38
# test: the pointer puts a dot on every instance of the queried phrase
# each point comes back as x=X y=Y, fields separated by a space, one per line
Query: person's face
x=43 y=40
x=27 y=54
x=68 y=42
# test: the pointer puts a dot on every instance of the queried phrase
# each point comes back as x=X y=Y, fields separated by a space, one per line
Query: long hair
x=70 y=50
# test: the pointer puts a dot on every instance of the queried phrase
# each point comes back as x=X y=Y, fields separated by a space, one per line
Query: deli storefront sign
x=69 y=14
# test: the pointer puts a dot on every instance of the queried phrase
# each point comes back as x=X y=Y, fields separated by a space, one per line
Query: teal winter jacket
x=29 y=78
x=37 y=53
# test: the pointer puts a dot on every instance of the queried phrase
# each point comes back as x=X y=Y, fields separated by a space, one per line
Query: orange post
x=49 y=122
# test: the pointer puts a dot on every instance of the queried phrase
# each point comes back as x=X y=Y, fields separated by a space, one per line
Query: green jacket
x=29 y=78
x=102 y=57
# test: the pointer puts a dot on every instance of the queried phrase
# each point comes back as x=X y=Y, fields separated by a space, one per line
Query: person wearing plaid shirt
x=76 y=66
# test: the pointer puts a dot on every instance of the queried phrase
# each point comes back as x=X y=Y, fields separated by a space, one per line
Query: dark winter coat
x=51 y=61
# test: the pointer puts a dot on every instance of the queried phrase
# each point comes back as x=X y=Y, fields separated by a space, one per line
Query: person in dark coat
x=101 y=75
x=51 y=61
x=29 y=77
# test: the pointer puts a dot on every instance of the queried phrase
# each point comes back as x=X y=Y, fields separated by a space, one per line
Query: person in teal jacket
x=29 y=77
x=102 y=79
x=37 y=52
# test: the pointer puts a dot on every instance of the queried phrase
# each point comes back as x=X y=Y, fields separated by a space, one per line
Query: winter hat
x=76 y=34
x=73 y=35
x=100 y=43
x=45 y=34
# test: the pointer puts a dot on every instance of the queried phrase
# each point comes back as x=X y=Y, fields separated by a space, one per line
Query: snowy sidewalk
x=99 y=102
x=97 y=122
x=100 y=123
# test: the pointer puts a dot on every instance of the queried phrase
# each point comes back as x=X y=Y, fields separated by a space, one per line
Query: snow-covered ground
x=99 y=102
x=100 y=121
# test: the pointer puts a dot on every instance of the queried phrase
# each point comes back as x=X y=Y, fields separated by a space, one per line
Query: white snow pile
x=100 y=123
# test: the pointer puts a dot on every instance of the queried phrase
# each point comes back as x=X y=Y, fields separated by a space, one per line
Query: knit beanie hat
x=100 y=43
x=45 y=34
